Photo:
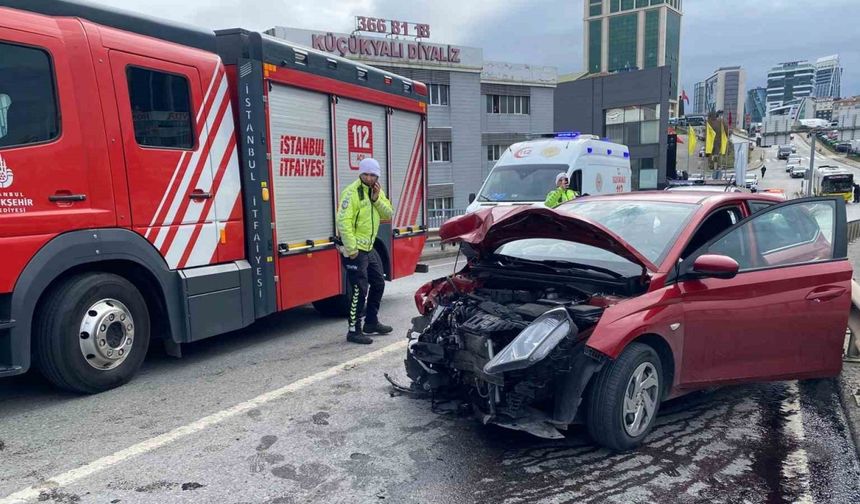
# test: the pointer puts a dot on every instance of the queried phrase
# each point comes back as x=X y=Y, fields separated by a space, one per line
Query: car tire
x=606 y=419
x=91 y=333
x=335 y=306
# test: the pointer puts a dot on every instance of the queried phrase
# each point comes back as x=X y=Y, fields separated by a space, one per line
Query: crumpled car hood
x=490 y=228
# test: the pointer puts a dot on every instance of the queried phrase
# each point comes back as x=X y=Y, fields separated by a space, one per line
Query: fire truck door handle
x=199 y=194
x=66 y=197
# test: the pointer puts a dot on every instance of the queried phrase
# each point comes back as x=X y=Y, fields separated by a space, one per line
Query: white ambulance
x=526 y=171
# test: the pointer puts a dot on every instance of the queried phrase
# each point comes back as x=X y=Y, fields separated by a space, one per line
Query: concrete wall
x=466 y=108
x=580 y=106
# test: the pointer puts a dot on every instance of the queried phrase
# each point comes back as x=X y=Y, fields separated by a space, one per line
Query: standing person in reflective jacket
x=561 y=194
x=362 y=205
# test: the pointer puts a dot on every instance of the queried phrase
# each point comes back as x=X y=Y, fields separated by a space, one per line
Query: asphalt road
x=288 y=412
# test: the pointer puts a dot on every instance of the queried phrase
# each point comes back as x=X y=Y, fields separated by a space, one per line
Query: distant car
x=790 y=166
x=843 y=147
x=783 y=151
x=751 y=180
x=794 y=159
x=798 y=172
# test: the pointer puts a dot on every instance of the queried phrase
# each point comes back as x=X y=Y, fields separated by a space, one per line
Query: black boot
x=354 y=335
x=377 y=328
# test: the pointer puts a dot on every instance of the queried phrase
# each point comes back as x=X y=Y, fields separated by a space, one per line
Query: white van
x=526 y=171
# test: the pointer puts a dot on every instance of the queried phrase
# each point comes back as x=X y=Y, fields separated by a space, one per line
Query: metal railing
x=435 y=218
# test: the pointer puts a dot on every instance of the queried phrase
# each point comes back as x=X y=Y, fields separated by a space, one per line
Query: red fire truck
x=163 y=182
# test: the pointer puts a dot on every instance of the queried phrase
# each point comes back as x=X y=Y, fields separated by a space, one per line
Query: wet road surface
x=273 y=415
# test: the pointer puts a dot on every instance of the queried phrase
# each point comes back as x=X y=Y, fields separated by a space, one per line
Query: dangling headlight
x=533 y=343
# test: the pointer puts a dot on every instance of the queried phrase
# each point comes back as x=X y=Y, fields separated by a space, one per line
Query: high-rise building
x=828 y=77
x=699 y=98
x=625 y=35
x=787 y=84
x=756 y=105
x=724 y=93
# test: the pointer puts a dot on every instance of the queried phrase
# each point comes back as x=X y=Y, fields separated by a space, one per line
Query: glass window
x=614 y=5
x=28 y=100
x=439 y=94
x=622 y=41
x=626 y=4
x=641 y=3
x=650 y=132
x=800 y=233
x=615 y=133
x=503 y=104
x=657 y=2
x=595 y=46
x=632 y=114
x=161 y=109
x=494 y=152
x=595 y=7
x=440 y=152
x=756 y=206
x=673 y=48
x=652 y=38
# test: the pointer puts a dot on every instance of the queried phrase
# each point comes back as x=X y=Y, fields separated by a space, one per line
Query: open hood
x=489 y=228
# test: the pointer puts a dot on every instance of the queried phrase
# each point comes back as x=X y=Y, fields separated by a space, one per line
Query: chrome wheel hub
x=640 y=399
x=106 y=334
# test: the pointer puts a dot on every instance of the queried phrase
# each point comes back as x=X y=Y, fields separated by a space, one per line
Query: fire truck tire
x=91 y=333
x=336 y=306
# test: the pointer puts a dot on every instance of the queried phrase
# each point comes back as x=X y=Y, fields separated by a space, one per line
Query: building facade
x=624 y=35
x=828 y=77
x=787 y=84
x=756 y=104
x=724 y=93
x=628 y=108
x=477 y=108
x=699 y=106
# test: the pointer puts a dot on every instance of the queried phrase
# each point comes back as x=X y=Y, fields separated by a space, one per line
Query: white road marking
x=443 y=265
x=795 y=467
x=149 y=445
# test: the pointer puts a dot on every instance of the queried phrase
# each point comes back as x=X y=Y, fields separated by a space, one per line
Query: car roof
x=704 y=198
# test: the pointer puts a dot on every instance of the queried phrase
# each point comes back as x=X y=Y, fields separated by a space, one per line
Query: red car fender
x=657 y=313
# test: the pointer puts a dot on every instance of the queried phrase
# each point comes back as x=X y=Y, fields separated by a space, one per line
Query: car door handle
x=825 y=294
x=62 y=197
x=199 y=194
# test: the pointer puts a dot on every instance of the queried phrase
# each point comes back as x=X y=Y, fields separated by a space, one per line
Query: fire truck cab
x=162 y=182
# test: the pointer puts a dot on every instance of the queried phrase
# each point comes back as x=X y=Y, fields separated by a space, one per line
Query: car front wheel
x=625 y=397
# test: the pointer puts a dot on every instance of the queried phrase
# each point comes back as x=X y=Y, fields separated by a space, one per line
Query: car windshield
x=649 y=227
x=528 y=182
x=563 y=251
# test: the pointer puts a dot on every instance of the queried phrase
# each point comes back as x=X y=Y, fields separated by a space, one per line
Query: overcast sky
x=754 y=34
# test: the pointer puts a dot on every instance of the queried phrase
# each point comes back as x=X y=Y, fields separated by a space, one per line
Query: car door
x=784 y=314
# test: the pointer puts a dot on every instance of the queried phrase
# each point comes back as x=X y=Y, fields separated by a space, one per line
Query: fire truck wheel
x=336 y=306
x=91 y=333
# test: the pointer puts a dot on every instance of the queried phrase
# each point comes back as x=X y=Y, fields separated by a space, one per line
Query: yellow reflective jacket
x=558 y=196
x=358 y=218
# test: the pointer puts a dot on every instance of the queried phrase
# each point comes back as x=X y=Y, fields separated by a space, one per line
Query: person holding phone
x=362 y=205
x=562 y=193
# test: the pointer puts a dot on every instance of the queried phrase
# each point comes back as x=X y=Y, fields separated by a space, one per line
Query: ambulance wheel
x=91 y=333
x=336 y=306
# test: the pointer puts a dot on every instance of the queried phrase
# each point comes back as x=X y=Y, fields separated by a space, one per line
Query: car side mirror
x=716 y=266
x=471 y=197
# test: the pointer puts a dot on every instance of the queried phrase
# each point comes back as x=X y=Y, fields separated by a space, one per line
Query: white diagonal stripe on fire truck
x=226 y=197
x=218 y=150
x=414 y=180
x=180 y=193
x=402 y=202
x=206 y=100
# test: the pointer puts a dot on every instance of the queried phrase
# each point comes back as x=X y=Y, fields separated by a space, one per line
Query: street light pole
x=811 y=163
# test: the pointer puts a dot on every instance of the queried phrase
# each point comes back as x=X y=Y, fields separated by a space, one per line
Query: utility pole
x=811 y=162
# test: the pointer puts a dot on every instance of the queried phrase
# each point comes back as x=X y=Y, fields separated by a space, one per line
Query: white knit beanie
x=369 y=166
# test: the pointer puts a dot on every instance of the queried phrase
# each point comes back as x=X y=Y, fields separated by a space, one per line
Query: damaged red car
x=597 y=311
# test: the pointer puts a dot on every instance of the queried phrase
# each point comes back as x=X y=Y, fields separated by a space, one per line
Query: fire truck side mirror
x=471 y=197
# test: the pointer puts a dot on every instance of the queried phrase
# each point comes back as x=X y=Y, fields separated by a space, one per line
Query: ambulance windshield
x=521 y=182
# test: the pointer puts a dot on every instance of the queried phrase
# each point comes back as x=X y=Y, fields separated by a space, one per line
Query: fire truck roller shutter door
x=407 y=169
x=299 y=125
x=360 y=132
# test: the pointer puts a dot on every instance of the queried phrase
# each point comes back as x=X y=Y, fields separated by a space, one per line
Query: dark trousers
x=366 y=281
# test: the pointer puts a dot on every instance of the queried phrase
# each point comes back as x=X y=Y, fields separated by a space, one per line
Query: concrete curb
x=849 y=384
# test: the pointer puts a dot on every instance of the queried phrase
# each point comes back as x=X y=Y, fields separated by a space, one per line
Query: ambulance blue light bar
x=567 y=134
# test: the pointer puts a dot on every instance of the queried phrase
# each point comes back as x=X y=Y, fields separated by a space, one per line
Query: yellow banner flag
x=691 y=141
x=710 y=136
x=724 y=140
